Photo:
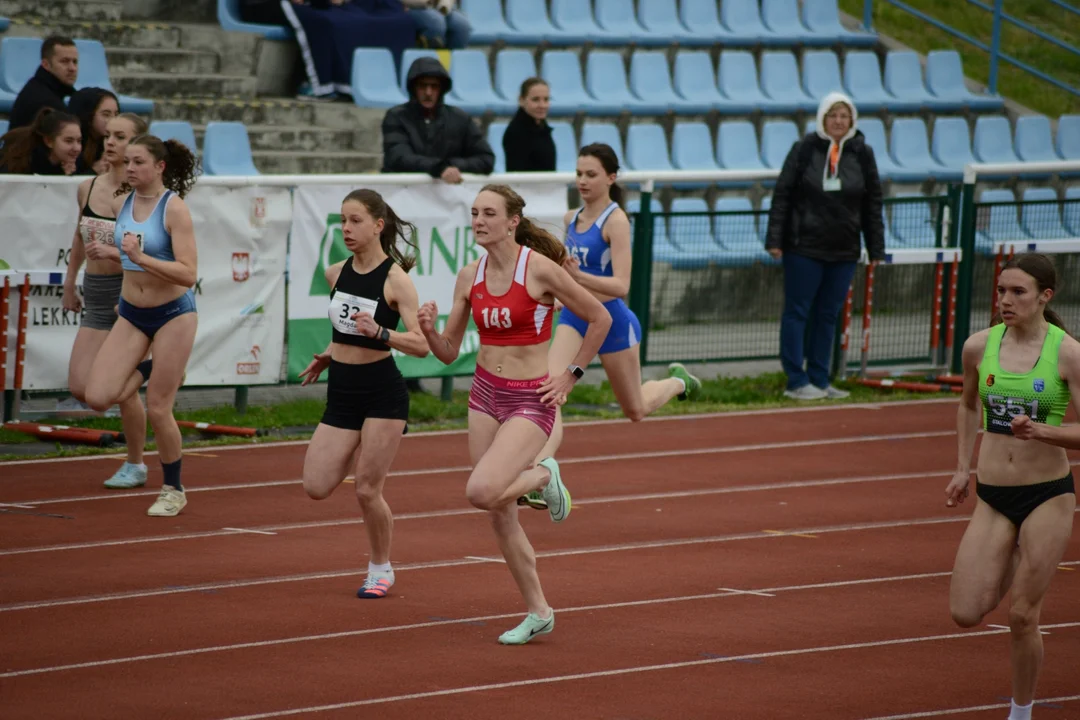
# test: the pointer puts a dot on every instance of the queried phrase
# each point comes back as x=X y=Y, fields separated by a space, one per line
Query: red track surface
x=835 y=518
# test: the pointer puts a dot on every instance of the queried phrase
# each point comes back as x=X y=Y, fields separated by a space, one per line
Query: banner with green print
x=442 y=216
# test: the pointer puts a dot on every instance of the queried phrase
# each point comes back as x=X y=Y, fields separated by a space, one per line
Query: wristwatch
x=576 y=370
x=384 y=335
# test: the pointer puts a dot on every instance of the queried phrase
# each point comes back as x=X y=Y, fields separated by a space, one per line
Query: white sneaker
x=169 y=503
x=806 y=392
x=835 y=393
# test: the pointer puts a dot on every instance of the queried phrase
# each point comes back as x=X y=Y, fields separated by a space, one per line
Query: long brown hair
x=1041 y=268
x=181 y=166
x=528 y=233
x=610 y=162
x=17 y=153
x=393 y=226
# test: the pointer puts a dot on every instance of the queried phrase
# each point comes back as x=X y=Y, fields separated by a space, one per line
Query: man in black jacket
x=52 y=82
x=827 y=196
x=426 y=135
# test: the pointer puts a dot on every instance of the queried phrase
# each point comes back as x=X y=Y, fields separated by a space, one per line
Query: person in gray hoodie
x=827 y=196
x=427 y=135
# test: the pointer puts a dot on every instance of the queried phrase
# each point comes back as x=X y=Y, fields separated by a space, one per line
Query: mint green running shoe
x=128 y=476
x=555 y=493
x=529 y=628
x=693 y=385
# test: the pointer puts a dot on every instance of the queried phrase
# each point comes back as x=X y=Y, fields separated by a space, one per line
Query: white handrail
x=973 y=170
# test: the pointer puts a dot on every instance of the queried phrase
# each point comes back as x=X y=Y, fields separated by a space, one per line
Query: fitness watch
x=384 y=335
x=576 y=370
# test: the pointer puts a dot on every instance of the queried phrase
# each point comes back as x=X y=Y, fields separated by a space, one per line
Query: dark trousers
x=814 y=293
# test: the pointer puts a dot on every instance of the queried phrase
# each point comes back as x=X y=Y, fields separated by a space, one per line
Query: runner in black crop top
x=353 y=293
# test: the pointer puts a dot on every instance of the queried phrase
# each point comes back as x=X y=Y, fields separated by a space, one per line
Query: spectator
x=440 y=23
x=94 y=107
x=527 y=141
x=48 y=146
x=52 y=82
x=426 y=135
x=828 y=193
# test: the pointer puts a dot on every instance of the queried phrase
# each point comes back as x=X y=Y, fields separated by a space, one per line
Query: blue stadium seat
x=945 y=79
x=821 y=73
x=702 y=21
x=992 y=142
x=374 y=79
x=951 y=147
x=810 y=126
x=782 y=23
x=822 y=18
x=562 y=71
x=777 y=137
x=471 y=88
x=910 y=147
x=738 y=235
x=692 y=233
x=695 y=81
x=1042 y=222
x=742 y=18
x=7 y=100
x=873 y=130
x=738 y=83
x=227 y=150
x=862 y=78
x=606 y=133
x=566 y=148
x=20 y=57
x=689 y=141
x=617 y=18
x=228 y=13
x=495 y=132
x=605 y=81
x=737 y=149
x=1034 y=141
x=663 y=251
x=408 y=57
x=1067 y=141
x=94 y=72
x=912 y=224
x=646 y=148
x=780 y=83
x=650 y=80
x=175 y=130
x=660 y=18
x=904 y=82
x=512 y=68
x=1070 y=211
x=1002 y=224
x=576 y=17
x=3 y=127
x=488 y=23
x=529 y=16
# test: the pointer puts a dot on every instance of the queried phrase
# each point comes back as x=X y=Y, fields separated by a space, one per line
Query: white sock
x=384 y=568
x=681 y=382
x=1020 y=712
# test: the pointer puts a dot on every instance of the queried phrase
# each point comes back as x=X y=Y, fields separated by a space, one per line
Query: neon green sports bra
x=1040 y=394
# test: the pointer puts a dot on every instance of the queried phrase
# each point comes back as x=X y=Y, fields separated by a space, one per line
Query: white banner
x=241 y=235
x=441 y=214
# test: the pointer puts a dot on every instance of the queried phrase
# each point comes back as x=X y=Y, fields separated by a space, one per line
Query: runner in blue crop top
x=157 y=305
x=598 y=239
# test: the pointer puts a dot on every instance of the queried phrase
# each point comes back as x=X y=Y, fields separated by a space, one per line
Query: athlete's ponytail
x=181 y=165
x=1041 y=268
x=528 y=233
x=393 y=226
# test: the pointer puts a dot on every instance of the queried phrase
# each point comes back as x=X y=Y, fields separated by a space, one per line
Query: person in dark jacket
x=52 y=82
x=427 y=135
x=827 y=195
x=527 y=141
x=48 y=146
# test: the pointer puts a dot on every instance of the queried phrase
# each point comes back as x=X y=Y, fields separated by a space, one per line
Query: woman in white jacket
x=440 y=22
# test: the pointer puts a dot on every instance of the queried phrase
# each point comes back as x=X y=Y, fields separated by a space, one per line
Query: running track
x=792 y=564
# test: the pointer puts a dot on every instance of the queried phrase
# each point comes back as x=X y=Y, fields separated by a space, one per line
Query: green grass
x=295 y=420
x=1014 y=83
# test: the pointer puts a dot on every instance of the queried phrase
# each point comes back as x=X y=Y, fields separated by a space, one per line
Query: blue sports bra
x=589 y=247
x=155 y=240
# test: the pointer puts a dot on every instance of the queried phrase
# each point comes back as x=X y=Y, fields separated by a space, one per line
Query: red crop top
x=513 y=318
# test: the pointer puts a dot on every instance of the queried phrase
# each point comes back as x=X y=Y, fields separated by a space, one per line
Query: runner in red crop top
x=510 y=293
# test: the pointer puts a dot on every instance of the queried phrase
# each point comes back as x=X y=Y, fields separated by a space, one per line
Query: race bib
x=343 y=306
x=1002 y=409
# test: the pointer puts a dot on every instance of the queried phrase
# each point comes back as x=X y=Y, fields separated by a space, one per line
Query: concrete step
x=293 y=113
x=172 y=10
x=63 y=9
x=297 y=138
x=163 y=85
x=170 y=60
x=303 y=162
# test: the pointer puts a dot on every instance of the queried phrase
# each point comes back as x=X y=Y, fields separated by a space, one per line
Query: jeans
x=451 y=30
x=814 y=291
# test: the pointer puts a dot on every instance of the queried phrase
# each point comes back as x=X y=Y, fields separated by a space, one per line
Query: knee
x=481 y=496
x=634 y=413
x=98 y=398
x=368 y=489
x=158 y=410
x=1023 y=618
x=966 y=617
x=315 y=490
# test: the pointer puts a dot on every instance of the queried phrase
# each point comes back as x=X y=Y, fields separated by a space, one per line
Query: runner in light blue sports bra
x=598 y=240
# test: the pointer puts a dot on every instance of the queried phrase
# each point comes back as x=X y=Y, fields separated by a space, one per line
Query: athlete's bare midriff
x=1005 y=460
x=514 y=362
x=142 y=289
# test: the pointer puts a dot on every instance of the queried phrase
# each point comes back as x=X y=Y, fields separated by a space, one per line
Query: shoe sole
x=548 y=629
x=556 y=476
x=534 y=504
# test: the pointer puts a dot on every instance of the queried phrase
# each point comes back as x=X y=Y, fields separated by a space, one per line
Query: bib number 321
x=1003 y=409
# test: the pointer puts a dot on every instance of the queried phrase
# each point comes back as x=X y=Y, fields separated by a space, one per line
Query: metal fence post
x=641 y=266
x=995 y=46
x=965 y=278
x=868 y=14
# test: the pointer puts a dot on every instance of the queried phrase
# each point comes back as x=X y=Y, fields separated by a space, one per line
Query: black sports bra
x=353 y=293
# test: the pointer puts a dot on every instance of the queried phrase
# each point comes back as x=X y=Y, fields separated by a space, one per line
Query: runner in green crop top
x=1020 y=371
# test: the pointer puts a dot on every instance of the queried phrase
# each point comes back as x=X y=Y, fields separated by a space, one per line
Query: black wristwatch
x=576 y=371
x=384 y=335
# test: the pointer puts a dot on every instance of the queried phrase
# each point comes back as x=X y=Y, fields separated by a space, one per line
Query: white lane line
x=733 y=591
x=629 y=671
x=248 y=530
x=485 y=559
x=582 y=423
x=971 y=709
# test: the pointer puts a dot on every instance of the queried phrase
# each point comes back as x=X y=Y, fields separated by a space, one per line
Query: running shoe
x=169 y=503
x=692 y=384
x=835 y=393
x=529 y=628
x=376 y=586
x=533 y=499
x=555 y=493
x=128 y=476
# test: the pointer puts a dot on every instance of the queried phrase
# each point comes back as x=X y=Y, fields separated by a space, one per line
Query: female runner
x=157 y=303
x=510 y=292
x=94 y=243
x=1022 y=370
x=367 y=403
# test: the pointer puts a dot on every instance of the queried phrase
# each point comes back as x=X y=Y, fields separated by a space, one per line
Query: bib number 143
x=496 y=317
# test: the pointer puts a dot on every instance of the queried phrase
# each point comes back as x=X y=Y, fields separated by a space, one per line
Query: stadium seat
x=566 y=148
x=3 y=127
x=495 y=132
x=529 y=16
x=951 y=147
x=910 y=147
x=822 y=18
x=737 y=149
x=562 y=71
x=742 y=18
x=20 y=57
x=780 y=83
x=605 y=81
x=862 y=78
x=992 y=142
x=689 y=142
x=1070 y=212
x=738 y=234
x=488 y=23
x=606 y=133
x=904 y=82
x=1034 y=141
x=912 y=223
x=650 y=81
x=1001 y=225
x=821 y=73
x=512 y=68
x=810 y=126
x=663 y=250
x=1042 y=222
x=1067 y=141
x=782 y=24
x=576 y=17
x=175 y=130
x=695 y=81
x=646 y=148
x=228 y=13
x=945 y=79
x=873 y=130
x=374 y=79
x=660 y=18
x=471 y=88
x=227 y=150
x=408 y=57
x=617 y=17
x=692 y=233
x=738 y=83
x=7 y=100
x=702 y=21
x=777 y=138
x=94 y=72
